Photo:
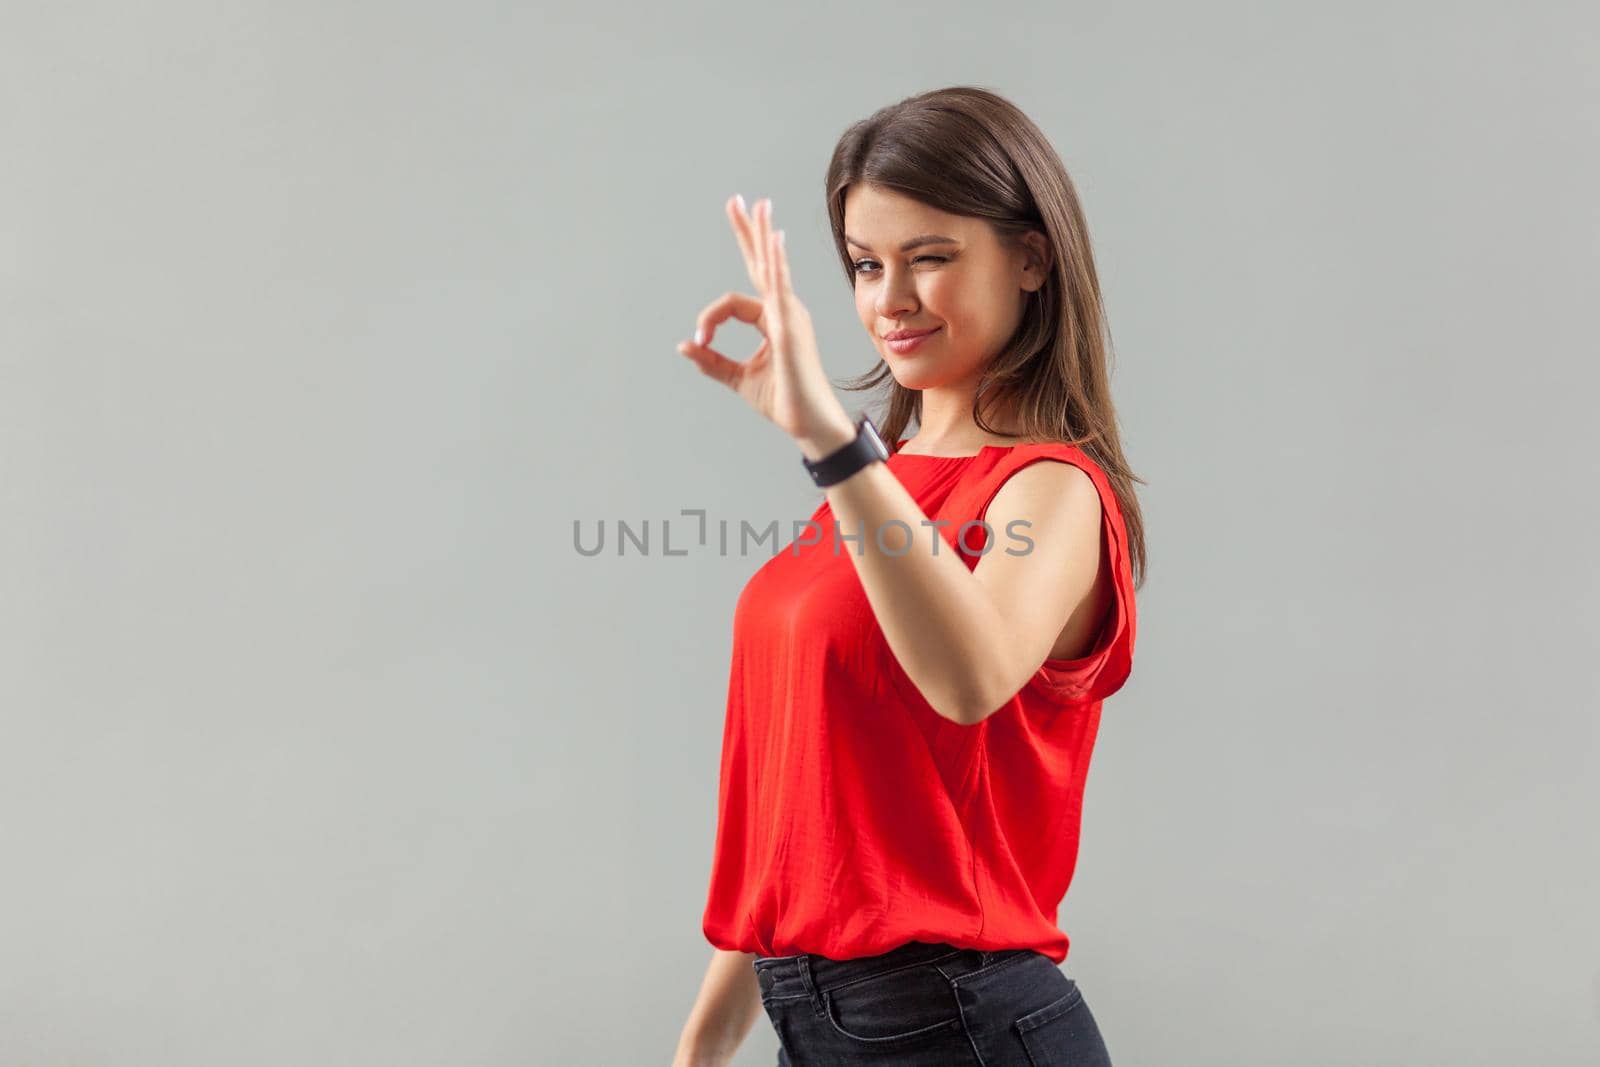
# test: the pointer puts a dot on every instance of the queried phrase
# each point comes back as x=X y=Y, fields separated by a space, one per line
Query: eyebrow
x=915 y=242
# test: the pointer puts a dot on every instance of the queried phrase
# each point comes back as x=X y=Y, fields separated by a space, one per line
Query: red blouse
x=852 y=817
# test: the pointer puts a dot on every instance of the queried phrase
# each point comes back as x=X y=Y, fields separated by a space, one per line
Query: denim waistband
x=821 y=972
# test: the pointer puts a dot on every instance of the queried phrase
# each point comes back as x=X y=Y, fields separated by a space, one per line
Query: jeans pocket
x=909 y=1004
x=1063 y=1033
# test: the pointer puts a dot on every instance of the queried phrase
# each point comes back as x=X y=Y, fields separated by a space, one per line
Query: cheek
x=942 y=295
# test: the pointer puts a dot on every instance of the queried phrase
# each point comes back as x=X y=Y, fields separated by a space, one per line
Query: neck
x=946 y=423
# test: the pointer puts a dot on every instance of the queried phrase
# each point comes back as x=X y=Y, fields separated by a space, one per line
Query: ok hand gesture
x=783 y=380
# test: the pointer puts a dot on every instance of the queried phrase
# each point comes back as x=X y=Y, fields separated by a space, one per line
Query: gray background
x=321 y=744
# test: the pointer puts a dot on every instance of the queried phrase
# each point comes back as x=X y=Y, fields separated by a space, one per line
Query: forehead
x=882 y=216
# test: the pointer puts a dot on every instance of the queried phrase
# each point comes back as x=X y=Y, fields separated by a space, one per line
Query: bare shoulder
x=1053 y=590
x=1050 y=488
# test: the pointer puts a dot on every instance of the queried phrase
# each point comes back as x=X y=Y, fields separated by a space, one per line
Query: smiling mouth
x=907 y=345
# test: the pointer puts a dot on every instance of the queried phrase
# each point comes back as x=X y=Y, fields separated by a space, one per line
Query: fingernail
x=699 y=337
x=740 y=198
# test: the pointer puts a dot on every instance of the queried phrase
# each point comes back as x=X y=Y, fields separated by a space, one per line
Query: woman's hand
x=784 y=379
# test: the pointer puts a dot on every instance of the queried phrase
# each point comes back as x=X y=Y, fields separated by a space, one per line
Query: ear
x=1037 y=259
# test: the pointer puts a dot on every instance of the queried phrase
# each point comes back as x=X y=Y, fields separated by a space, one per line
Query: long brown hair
x=967 y=151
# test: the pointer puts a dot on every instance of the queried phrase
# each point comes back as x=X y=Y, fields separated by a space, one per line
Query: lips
x=905 y=342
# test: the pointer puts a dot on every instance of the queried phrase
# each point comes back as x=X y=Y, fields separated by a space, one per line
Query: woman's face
x=966 y=286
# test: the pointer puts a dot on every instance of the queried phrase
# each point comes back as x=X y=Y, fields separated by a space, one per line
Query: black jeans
x=929 y=1005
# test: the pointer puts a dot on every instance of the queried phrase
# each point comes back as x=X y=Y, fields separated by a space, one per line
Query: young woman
x=917 y=679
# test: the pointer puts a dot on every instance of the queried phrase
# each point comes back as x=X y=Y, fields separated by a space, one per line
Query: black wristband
x=836 y=466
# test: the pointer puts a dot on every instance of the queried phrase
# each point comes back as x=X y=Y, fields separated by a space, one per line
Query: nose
x=896 y=298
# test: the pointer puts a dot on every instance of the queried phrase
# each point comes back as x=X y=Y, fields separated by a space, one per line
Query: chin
x=914 y=372
x=916 y=379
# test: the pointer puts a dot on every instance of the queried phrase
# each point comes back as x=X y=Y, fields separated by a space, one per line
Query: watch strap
x=867 y=447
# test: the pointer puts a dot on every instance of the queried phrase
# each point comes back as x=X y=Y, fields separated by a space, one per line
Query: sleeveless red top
x=852 y=817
